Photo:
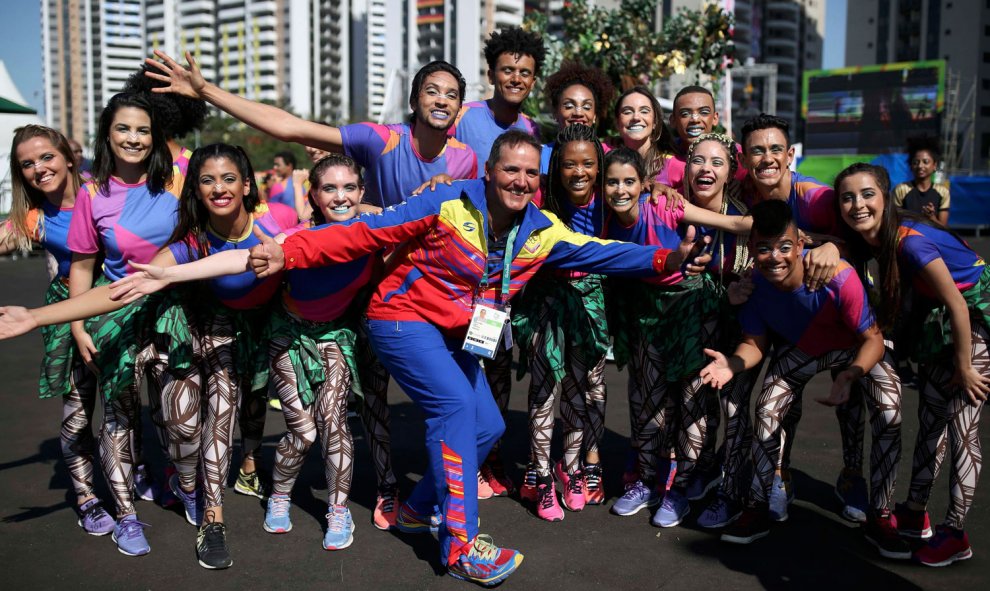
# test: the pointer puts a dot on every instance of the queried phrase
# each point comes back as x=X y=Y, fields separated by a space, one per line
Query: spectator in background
x=923 y=195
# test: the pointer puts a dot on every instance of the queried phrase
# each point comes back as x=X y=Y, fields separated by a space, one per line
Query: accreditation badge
x=485 y=330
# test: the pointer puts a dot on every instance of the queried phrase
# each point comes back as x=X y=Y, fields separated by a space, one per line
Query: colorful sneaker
x=129 y=536
x=192 y=502
x=571 y=488
x=701 y=482
x=881 y=531
x=411 y=522
x=781 y=496
x=671 y=474
x=340 y=528
x=493 y=471
x=144 y=487
x=211 y=547
x=484 y=491
x=637 y=497
x=169 y=499
x=275 y=404
x=94 y=519
x=277 y=515
x=948 y=545
x=673 y=510
x=528 y=490
x=850 y=488
x=753 y=523
x=485 y=563
x=720 y=512
x=546 y=501
x=594 y=489
x=386 y=508
x=912 y=524
x=250 y=484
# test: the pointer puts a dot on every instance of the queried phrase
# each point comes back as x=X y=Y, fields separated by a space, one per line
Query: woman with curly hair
x=578 y=94
x=44 y=182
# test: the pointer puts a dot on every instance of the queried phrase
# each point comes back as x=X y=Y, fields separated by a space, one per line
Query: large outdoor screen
x=872 y=109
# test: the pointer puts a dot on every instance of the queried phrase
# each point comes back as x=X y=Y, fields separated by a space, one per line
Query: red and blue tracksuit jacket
x=442 y=253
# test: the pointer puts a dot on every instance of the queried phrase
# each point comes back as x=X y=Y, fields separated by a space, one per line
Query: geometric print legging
x=76 y=434
x=326 y=416
x=947 y=420
x=200 y=428
x=789 y=371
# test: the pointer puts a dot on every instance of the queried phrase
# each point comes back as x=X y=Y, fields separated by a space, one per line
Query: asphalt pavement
x=41 y=547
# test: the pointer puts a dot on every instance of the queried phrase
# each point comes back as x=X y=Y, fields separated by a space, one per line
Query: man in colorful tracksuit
x=451 y=253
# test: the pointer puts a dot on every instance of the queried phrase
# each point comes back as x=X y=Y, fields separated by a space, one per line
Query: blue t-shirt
x=476 y=126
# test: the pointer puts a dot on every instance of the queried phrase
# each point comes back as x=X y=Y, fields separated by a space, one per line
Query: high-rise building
x=378 y=59
x=90 y=47
x=888 y=31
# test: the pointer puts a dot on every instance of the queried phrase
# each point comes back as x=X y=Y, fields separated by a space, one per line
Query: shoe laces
x=593 y=476
x=387 y=500
x=575 y=482
x=95 y=512
x=337 y=519
x=211 y=536
x=545 y=498
x=719 y=504
x=279 y=505
x=130 y=528
x=484 y=548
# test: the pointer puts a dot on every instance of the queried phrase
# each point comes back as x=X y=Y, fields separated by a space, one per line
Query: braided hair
x=556 y=195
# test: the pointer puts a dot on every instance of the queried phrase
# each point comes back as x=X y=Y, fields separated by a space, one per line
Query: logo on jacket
x=469 y=226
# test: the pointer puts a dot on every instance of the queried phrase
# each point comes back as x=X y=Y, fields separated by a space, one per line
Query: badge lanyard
x=490 y=324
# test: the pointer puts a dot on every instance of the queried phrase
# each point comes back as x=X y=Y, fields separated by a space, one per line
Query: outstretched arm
x=722 y=369
x=271 y=120
x=737 y=224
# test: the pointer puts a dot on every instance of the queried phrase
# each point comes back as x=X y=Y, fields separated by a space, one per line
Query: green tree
x=260 y=147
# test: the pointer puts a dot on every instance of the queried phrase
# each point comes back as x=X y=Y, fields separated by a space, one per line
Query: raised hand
x=185 y=81
x=147 y=280
x=690 y=254
x=674 y=199
x=15 y=321
x=266 y=258
x=717 y=373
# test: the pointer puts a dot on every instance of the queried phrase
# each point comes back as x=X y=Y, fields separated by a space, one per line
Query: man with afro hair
x=514 y=57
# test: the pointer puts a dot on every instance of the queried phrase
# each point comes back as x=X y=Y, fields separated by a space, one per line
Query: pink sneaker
x=546 y=501
x=494 y=474
x=572 y=488
x=484 y=489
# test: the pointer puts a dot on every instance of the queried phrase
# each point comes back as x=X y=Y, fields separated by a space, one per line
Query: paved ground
x=41 y=546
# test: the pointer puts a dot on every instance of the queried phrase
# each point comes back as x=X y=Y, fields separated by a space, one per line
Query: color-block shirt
x=393 y=168
x=812 y=204
x=919 y=244
x=243 y=291
x=126 y=224
x=476 y=126
x=816 y=322
x=49 y=227
x=655 y=226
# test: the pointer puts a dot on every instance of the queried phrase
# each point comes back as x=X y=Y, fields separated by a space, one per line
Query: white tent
x=14 y=113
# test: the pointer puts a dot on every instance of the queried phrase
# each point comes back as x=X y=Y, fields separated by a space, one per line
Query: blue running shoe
x=94 y=519
x=144 y=486
x=850 y=488
x=703 y=481
x=277 y=516
x=781 y=495
x=193 y=502
x=129 y=536
x=673 y=510
x=721 y=512
x=340 y=528
x=638 y=496
x=485 y=563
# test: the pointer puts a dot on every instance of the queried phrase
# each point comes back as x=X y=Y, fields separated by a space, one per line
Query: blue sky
x=20 y=44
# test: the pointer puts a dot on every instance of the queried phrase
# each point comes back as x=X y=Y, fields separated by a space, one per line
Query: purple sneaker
x=94 y=519
x=129 y=536
x=144 y=486
x=191 y=502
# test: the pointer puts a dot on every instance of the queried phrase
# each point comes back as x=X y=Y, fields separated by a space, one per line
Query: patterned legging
x=949 y=422
x=200 y=432
x=790 y=369
x=76 y=435
x=583 y=387
x=116 y=453
x=150 y=362
x=375 y=414
x=326 y=416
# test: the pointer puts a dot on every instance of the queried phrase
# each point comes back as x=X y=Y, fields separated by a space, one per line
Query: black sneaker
x=211 y=546
x=753 y=524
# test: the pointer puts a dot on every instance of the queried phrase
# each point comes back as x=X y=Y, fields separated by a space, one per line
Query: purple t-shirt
x=920 y=244
x=393 y=169
x=126 y=224
x=476 y=126
x=812 y=204
x=655 y=226
x=816 y=322
x=283 y=193
x=243 y=291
